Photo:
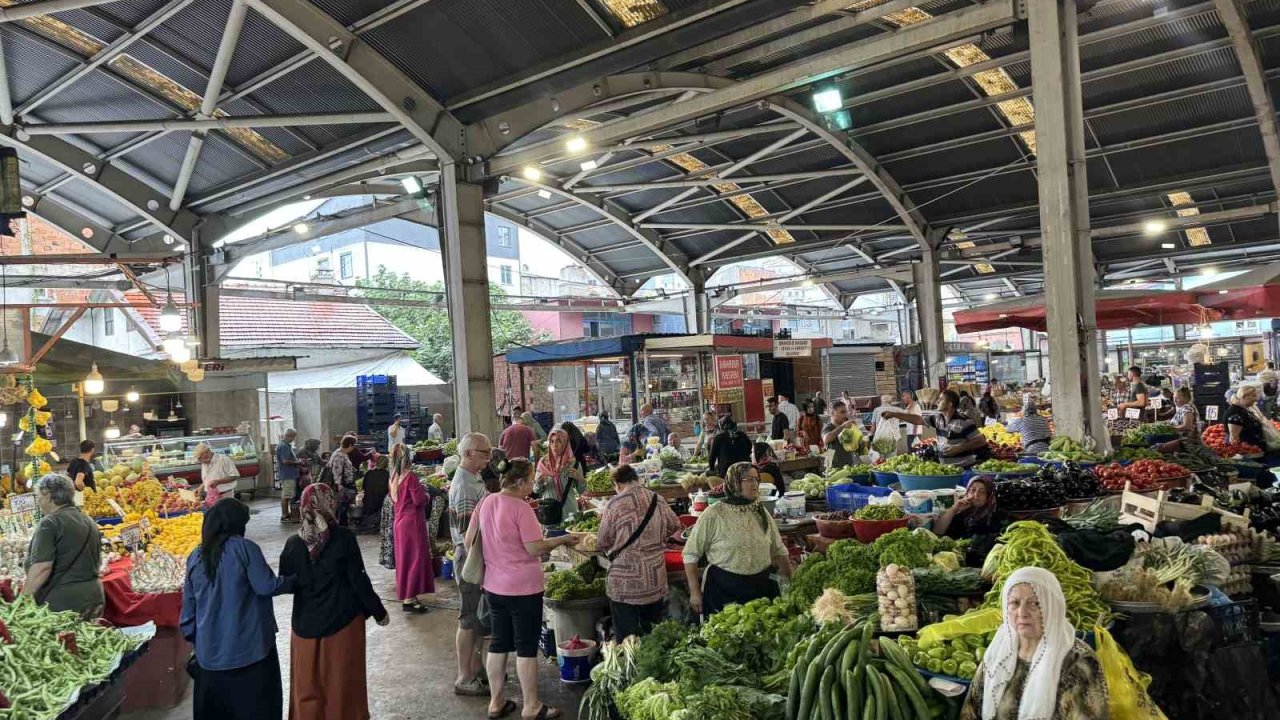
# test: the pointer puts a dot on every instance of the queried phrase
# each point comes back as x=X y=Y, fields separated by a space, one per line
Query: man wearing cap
x=218 y=474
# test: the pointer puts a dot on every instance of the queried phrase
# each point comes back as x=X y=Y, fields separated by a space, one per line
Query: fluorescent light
x=808 y=282
x=1209 y=271
x=576 y=144
x=544 y=194
x=531 y=173
x=301 y=228
x=588 y=165
x=827 y=100
x=411 y=184
x=1154 y=227
x=1222 y=292
x=1168 y=246
x=991 y=296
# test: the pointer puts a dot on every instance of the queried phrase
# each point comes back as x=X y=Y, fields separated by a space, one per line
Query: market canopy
x=1255 y=293
x=1115 y=309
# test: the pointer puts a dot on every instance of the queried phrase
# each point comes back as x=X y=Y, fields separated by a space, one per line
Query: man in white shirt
x=395 y=434
x=436 y=431
x=786 y=407
x=218 y=474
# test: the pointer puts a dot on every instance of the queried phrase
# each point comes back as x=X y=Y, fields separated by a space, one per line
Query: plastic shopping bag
x=1126 y=687
x=888 y=440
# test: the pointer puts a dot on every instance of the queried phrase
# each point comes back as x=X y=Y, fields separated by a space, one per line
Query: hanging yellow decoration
x=39 y=447
x=43 y=417
x=36 y=400
x=39 y=469
x=24 y=424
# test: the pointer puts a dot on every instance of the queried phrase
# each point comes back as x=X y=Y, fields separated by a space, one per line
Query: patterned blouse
x=1082 y=690
x=639 y=575
x=344 y=473
x=733 y=538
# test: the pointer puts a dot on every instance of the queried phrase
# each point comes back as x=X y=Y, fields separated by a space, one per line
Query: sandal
x=414 y=607
x=548 y=713
x=508 y=708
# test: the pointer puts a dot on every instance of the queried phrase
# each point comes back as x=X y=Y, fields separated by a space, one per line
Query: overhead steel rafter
x=1232 y=15
x=370 y=71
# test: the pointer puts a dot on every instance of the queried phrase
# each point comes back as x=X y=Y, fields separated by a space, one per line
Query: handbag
x=551 y=511
x=653 y=506
x=473 y=569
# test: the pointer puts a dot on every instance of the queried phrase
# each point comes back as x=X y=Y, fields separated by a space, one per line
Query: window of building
x=109 y=323
x=345 y=265
x=504 y=274
x=504 y=236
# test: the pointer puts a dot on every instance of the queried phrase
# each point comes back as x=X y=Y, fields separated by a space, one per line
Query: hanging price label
x=1132 y=413
x=1113 y=414
x=131 y=536
x=146 y=524
x=1211 y=412
x=1155 y=403
x=116 y=506
x=25 y=503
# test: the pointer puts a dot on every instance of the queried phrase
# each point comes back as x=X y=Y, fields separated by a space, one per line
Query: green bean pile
x=38 y=673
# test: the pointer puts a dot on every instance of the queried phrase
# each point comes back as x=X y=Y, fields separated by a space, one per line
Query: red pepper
x=4 y=701
x=5 y=637
x=6 y=590
x=68 y=640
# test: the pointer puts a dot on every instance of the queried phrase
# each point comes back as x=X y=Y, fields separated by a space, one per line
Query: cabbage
x=851 y=439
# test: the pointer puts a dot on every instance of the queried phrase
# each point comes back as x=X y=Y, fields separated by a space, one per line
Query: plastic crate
x=1235 y=624
x=851 y=497
x=364 y=380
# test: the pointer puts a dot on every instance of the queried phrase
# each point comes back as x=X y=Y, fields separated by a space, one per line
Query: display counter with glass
x=674 y=389
x=176 y=456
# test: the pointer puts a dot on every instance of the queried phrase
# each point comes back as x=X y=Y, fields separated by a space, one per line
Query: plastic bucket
x=575 y=665
x=919 y=502
x=446 y=569
x=944 y=499
x=576 y=617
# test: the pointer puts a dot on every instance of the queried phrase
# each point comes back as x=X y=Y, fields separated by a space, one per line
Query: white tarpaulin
x=407 y=371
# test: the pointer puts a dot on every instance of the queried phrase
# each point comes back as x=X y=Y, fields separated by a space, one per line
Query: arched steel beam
x=595 y=267
x=675 y=260
x=371 y=72
x=117 y=184
x=508 y=128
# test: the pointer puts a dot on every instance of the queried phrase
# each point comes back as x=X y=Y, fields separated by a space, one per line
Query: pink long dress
x=414 y=573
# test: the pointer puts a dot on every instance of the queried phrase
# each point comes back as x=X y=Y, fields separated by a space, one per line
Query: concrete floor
x=411 y=663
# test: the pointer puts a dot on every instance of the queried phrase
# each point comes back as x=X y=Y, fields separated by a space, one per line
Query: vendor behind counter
x=959 y=441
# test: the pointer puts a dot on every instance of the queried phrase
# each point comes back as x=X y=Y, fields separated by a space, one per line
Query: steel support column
x=466 y=278
x=928 y=291
x=697 y=306
x=1064 y=221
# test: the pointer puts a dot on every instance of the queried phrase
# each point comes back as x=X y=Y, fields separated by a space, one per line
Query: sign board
x=792 y=348
x=24 y=503
x=1211 y=412
x=729 y=372
x=1132 y=413
x=1112 y=414
x=1155 y=403
x=131 y=536
x=116 y=506
x=766 y=388
x=729 y=397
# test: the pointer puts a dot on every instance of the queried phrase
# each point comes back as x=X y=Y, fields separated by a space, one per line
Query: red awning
x=1249 y=295
x=1116 y=309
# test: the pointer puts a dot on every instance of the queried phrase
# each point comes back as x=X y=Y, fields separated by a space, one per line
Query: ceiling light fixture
x=301 y=228
x=576 y=144
x=588 y=165
x=94 y=384
x=172 y=342
x=1167 y=246
x=544 y=194
x=1154 y=227
x=181 y=354
x=131 y=396
x=1209 y=271
x=411 y=184
x=827 y=100
x=170 y=318
x=531 y=173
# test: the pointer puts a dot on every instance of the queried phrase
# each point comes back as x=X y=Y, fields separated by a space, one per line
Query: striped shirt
x=466 y=490
x=1034 y=429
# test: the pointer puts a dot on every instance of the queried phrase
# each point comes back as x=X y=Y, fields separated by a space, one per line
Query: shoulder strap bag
x=550 y=510
x=653 y=506
x=473 y=569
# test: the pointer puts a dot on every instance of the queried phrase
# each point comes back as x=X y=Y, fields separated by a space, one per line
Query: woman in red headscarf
x=557 y=481
x=332 y=601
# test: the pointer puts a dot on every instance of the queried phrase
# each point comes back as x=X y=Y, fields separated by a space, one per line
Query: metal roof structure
x=145 y=126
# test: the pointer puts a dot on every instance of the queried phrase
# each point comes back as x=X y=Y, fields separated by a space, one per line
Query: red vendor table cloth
x=126 y=608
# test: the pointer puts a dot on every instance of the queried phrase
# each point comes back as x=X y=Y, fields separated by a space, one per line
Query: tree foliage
x=430 y=327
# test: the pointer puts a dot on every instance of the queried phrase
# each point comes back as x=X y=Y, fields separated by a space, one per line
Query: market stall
x=175 y=457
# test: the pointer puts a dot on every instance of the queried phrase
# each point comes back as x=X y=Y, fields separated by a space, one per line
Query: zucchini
x=824 y=694
x=810 y=689
x=913 y=697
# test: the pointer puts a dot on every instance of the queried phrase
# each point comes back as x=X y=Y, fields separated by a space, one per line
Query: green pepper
x=949 y=667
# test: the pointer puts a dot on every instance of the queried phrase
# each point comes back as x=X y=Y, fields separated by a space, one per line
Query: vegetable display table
x=812 y=463
x=159 y=678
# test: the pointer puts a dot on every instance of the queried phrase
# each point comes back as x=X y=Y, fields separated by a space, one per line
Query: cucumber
x=852 y=693
x=811 y=677
x=837 y=694
x=824 y=694
x=882 y=702
x=846 y=660
x=859 y=670
x=895 y=702
x=869 y=710
x=837 y=645
x=799 y=677
x=900 y=658
x=919 y=707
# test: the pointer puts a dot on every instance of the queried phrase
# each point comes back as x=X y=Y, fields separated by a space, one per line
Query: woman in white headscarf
x=1036 y=669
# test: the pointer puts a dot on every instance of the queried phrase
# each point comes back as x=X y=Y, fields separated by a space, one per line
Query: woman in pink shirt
x=513 y=546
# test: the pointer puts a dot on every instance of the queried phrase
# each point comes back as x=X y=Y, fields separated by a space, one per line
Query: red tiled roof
x=257 y=322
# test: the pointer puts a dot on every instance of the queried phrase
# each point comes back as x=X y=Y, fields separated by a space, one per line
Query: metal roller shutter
x=854 y=372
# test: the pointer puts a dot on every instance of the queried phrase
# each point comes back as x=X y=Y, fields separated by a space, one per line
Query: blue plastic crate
x=851 y=497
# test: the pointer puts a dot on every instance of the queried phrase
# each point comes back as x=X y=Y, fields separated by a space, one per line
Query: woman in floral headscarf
x=415 y=576
x=1035 y=668
x=557 y=481
x=332 y=600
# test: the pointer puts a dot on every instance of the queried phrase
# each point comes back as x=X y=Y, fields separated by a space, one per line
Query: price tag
x=187 y=495
x=146 y=524
x=131 y=536
x=116 y=506
x=1155 y=403
x=1211 y=412
x=1113 y=414
x=1132 y=413
x=24 y=503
